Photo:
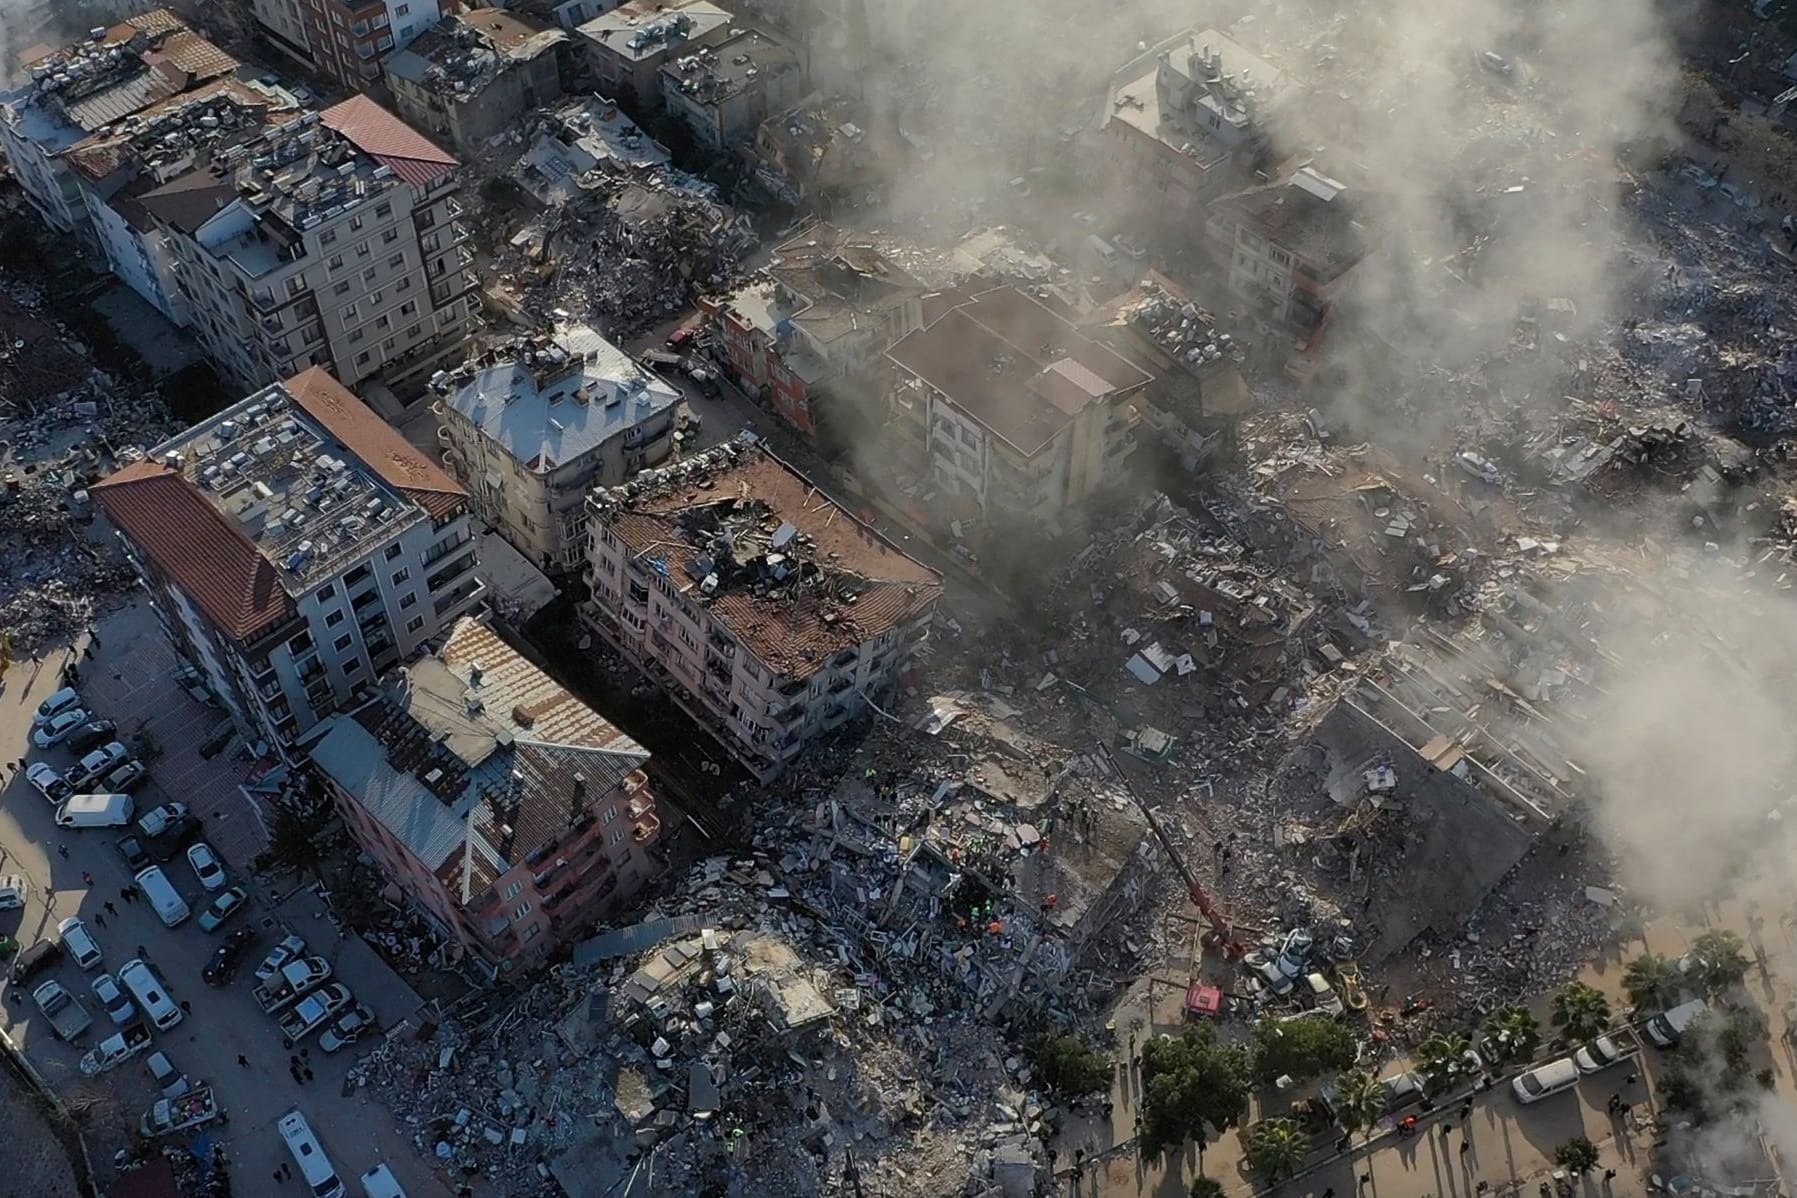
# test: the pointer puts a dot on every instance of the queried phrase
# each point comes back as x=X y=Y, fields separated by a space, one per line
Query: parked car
x=206 y=865
x=158 y=820
x=125 y=778
x=96 y=763
x=1546 y=1080
x=58 y=728
x=49 y=781
x=132 y=849
x=228 y=903
x=223 y=965
x=170 y=1080
x=174 y=841
x=78 y=942
x=347 y=1028
x=64 y=1011
x=66 y=699
x=119 y=1008
x=35 y=960
x=91 y=735
x=680 y=337
x=291 y=948
x=1600 y=1054
x=12 y=892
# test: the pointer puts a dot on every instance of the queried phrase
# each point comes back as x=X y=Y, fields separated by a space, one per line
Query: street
x=225 y=1040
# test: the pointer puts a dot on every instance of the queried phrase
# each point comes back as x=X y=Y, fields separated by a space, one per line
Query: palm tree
x=1443 y=1057
x=1276 y=1147
x=1511 y=1035
x=1653 y=982
x=1718 y=960
x=1581 y=1012
x=1359 y=1101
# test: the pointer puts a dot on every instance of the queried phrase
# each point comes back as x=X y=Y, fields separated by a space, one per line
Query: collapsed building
x=503 y=808
x=815 y=149
x=531 y=426
x=770 y=614
x=576 y=139
x=475 y=74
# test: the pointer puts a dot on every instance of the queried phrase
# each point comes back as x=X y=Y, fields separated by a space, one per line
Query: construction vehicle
x=1221 y=936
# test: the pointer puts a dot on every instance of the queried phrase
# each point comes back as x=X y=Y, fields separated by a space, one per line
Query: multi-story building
x=345 y=39
x=1189 y=121
x=627 y=46
x=510 y=813
x=295 y=548
x=722 y=92
x=332 y=240
x=1015 y=410
x=1291 y=249
x=475 y=74
x=819 y=320
x=814 y=150
x=769 y=613
x=89 y=87
x=283 y=24
x=115 y=167
x=529 y=428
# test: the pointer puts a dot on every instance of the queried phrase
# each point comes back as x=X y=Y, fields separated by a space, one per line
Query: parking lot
x=131 y=682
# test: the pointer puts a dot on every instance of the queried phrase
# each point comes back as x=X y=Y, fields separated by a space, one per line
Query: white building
x=295 y=548
x=530 y=428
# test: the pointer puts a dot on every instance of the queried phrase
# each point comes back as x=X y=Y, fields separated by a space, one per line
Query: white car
x=206 y=865
x=66 y=699
x=56 y=729
x=290 y=949
x=12 y=892
x=78 y=942
x=120 y=1009
x=170 y=1080
x=95 y=764
x=48 y=781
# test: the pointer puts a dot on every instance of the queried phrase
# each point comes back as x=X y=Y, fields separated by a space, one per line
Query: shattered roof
x=837 y=582
x=473 y=763
x=1015 y=366
x=1309 y=214
x=389 y=140
x=466 y=52
x=839 y=279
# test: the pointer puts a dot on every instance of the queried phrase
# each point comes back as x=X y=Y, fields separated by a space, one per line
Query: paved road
x=223 y=1023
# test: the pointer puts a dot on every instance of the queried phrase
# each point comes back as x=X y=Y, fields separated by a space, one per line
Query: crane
x=1221 y=933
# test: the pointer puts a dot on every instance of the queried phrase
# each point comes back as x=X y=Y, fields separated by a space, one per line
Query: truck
x=96 y=811
x=313 y=1012
x=116 y=1049
x=196 y=1108
x=290 y=982
x=62 y=1009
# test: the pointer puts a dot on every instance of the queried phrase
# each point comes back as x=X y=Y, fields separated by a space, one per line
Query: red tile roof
x=389 y=140
x=196 y=546
x=376 y=442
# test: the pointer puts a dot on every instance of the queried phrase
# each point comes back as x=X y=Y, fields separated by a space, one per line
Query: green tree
x=1206 y=1187
x=1359 y=1101
x=1580 y=1012
x=1301 y=1048
x=1653 y=983
x=1276 y=1147
x=1069 y=1068
x=1190 y=1082
x=1444 y=1060
x=1577 y=1154
x=1717 y=960
x=292 y=841
x=1511 y=1035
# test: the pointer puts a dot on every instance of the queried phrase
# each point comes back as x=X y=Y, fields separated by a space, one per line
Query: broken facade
x=475 y=74
x=627 y=46
x=722 y=92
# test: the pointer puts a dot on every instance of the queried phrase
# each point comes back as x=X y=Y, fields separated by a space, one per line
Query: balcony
x=639 y=805
x=1121 y=447
x=455 y=569
x=646 y=828
x=462 y=597
x=443 y=549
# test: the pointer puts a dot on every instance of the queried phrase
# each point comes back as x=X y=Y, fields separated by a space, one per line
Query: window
x=532 y=932
x=514 y=890
x=407 y=600
x=342 y=642
x=381 y=322
x=296 y=285
x=328 y=237
x=608 y=815
x=350 y=667
x=401 y=575
x=355 y=222
x=408 y=308
x=393 y=551
x=368 y=275
x=341 y=288
x=336 y=262
x=413 y=331
x=326 y=593
x=414 y=624
x=374 y=299
x=390 y=236
x=617 y=836
x=383 y=210
x=362 y=250
x=520 y=911
x=400 y=10
x=362 y=359
x=405 y=284
x=355 y=335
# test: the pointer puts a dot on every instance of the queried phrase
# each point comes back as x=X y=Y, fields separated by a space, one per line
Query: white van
x=151 y=994
x=1550 y=1078
x=170 y=907
x=1103 y=250
x=314 y=1167
x=379 y=1182
x=96 y=811
x=1665 y=1028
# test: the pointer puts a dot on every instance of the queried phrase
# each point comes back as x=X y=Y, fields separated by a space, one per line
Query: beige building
x=510 y=813
x=333 y=240
x=769 y=613
x=723 y=92
x=628 y=45
x=529 y=428
x=476 y=73
x=1014 y=409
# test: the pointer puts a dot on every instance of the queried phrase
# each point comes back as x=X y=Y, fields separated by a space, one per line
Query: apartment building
x=282 y=23
x=530 y=427
x=770 y=614
x=1188 y=122
x=1016 y=412
x=510 y=813
x=93 y=86
x=295 y=548
x=722 y=92
x=332 y=240
x=1291 y=249
x=627 y=46
x=475 y=74
x=817 y=322
x=345 y=39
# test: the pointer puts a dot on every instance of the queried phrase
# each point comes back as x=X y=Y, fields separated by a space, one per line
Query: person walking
x=110 y=909
x=87 y=878
x=1466 y=1146
x=99 y=920
x=243 y=1061
x=125 y=893
x=62 y=850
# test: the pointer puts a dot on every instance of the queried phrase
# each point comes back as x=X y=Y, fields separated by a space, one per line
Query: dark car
x=132 y=849
x=91 y=735
x=174 y=839
x=223 y=965
x=35 y=960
